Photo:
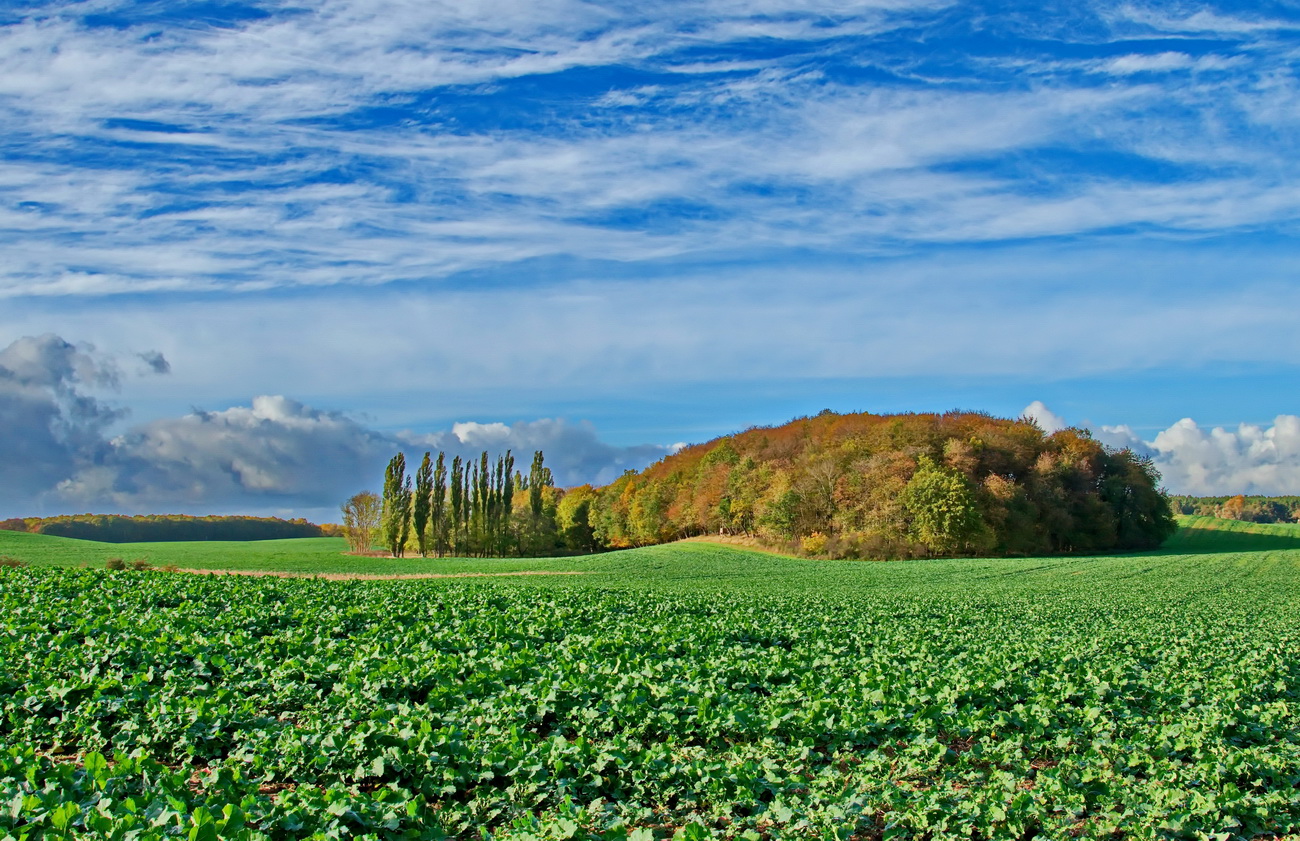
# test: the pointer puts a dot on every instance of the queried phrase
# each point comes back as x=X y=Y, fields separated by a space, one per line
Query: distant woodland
x=159 y=528
x=854 y=485
x=907 y=485
x=1253 y=509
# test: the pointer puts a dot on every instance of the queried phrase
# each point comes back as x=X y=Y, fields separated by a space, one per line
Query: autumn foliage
x=864 y=485
x=1253 y=509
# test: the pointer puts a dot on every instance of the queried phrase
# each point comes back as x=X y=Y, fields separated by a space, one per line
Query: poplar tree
x=397 y=505
x=499 y=512
x=539 y=478
x=507 y=500
x=483 y=477
x=420 y=505
x=466 y=507
x=438 y=506
x=457 y=501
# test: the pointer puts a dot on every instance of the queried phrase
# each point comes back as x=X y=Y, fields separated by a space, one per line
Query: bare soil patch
x=373 y=576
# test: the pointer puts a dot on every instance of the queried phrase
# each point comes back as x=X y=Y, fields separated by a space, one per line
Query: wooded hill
x=908 y=485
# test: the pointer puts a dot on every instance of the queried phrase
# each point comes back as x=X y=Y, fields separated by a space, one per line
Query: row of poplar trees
x=470 y=510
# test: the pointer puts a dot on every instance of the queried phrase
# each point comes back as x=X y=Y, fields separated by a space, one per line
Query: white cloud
x=275 y=455
x=1252 y=459
x=424 y=361
x=573 y=451
x=1129 y=64
x=1045 y=418
x=1166 y=18
x=51 y=422
x=773 y=152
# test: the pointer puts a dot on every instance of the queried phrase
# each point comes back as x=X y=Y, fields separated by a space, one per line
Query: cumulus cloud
x=49 y=424
x=574 y=451
x=276 y=455
x=1251 y=459
x=1047 y=420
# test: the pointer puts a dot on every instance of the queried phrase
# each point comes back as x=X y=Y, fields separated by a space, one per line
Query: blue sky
x=656 y=222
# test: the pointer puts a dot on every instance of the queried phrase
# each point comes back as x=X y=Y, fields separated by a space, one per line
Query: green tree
x=397 y=506
x=1131 y=487
x=573 y=518
x=420 y=505
x=944 y=513
x=438 y=507
x=457 y=505
x=507 y=502
x=783 y=514
x=541 y=519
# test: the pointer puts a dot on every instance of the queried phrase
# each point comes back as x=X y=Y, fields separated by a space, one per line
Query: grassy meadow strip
x=301 y=555
x=688 y=691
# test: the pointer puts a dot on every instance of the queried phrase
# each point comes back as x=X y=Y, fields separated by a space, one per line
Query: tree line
x=465 y=508
x=835 y=485
x=155 y=528
x=1253 y=509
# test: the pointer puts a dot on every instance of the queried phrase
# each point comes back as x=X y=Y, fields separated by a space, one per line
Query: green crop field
x=690 y=690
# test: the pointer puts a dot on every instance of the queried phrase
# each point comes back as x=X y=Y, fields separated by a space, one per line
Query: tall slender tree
x=421 y=503
x=457 y=503
x=535 y=485
x=397 y=505
x=500 y=514
x=541 y=529
x=438 y=506
x=466 y=506
x=484 y=498
x=507 y=501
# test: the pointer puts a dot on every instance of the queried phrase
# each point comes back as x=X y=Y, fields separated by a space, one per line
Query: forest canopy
x=1253 y=509
x=906 y=485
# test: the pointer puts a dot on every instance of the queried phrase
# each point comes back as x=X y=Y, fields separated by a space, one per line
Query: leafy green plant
x=688 y=691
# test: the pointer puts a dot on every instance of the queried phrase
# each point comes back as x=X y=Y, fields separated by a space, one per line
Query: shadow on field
x=1199 y=540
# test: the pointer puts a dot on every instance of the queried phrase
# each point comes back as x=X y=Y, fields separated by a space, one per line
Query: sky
x=253 y=248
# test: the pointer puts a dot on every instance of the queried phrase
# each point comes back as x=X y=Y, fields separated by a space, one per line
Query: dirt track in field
x=372 y=576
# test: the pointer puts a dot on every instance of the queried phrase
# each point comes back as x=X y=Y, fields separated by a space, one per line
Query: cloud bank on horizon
x=1252 y=459
x=280 y=456
x=273 y=456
